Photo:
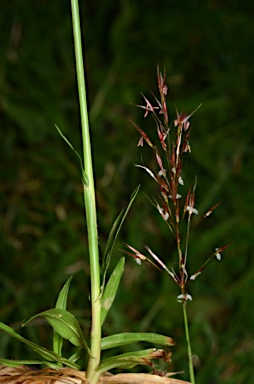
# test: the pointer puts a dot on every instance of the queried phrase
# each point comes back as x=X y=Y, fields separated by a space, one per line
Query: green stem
x=186 y=326
x=90 y=204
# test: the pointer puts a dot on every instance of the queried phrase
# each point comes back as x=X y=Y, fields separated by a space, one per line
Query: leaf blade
x=18 y=363
x=111 y=289
x=114 y=234
x=131 y=359
x=50 y=356
x=121 y=339
x=84 y=176
x=61 y=303
x=64 y=323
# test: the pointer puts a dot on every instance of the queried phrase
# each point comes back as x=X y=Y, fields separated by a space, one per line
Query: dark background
x=206 y=48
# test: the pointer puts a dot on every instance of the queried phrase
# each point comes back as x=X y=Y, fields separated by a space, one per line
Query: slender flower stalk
x=90 y=205
x=189 y=351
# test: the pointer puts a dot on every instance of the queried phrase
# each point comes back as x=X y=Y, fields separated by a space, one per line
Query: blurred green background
x=206 y=49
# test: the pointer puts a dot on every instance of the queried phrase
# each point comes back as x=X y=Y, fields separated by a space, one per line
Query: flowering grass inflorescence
x=175 y=210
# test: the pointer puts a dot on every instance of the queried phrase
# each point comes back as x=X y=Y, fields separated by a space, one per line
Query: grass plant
x=176 y=212
x=41 y=194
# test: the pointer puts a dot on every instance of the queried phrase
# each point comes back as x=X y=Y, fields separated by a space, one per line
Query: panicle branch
x=173 y=145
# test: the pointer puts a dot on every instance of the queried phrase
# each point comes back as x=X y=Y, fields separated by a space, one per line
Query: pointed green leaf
x=77 y=355
x=130 y=359
x=18 y=363
x=63 y=295
x=111 y=289
x=131 y=337
x=114 y=233
x=45 y=353
x=62 y=304
x=65 y=324
x=84 y=175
